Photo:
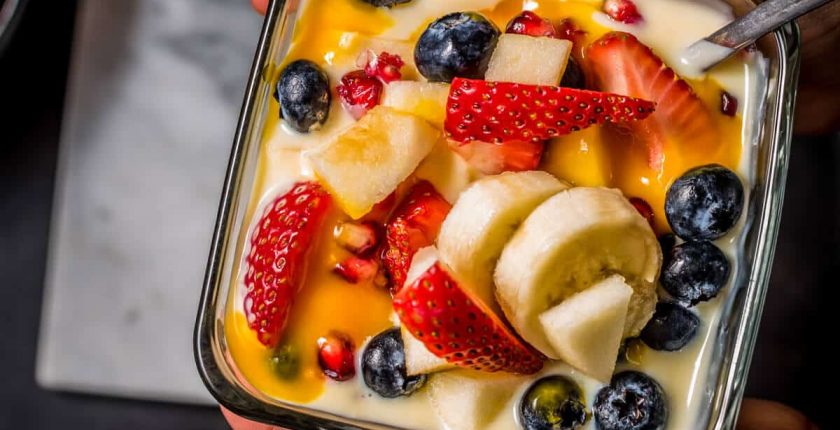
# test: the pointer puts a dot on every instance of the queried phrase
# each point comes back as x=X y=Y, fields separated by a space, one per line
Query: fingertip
x=767 y=415
x=239 y=423
x=261 y=6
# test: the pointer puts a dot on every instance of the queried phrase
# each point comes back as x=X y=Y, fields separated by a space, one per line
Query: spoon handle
x=766 y=17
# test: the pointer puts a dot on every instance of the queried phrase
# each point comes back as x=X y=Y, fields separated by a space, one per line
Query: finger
x=260 y=5
x=239 y=423
x=766 y=415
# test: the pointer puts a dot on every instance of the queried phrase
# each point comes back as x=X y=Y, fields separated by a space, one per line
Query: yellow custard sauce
x=332 y=33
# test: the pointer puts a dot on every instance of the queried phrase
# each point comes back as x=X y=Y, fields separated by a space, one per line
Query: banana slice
x=484 y=218
x=569 y=243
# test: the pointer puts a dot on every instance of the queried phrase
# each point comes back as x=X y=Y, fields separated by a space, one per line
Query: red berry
x=354 y=269
x=359 y=92
x=385 y=67
x=335 y=356
x=504 y=111
x=618 y=62
x=728 y=104
x=493 y=158
x=569 y=30
x=459 y=327
x=643 y=208
x=622 y=11
x=276 y=262
x=531 y=24
x=413 y=225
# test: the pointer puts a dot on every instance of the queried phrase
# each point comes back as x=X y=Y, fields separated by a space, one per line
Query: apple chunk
x=365 y=163
x=469 y=400
x=424 y=99
x=585 y=330
x=529 y=60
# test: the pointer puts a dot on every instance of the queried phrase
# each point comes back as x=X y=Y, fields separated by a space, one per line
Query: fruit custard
x=477 y=214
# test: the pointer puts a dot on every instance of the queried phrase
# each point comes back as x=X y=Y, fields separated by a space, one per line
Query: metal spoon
x=766 y=17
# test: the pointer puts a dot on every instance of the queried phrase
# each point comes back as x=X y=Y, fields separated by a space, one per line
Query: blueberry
x=667 y=242
x=632 y=401
x=573 y=76
x=285 y=362
x=385 y=3
x=694 y=272
x=383 y=366
x=671 y=327
x=552 y=403
x=704 y=203
x=303 y=92
x=456 y=45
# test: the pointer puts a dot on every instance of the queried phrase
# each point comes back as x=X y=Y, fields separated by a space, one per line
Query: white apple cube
x=365 y=163
x=469 y=400
x=585 y=330
x=424 y=99
x=418 y=359
x=529 y=60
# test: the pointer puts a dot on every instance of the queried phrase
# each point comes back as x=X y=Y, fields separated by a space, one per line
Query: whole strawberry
x=276 y=261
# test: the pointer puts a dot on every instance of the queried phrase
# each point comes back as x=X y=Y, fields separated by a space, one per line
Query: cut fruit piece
x=484 y=218
x=528 y=60
x=446 y=170
x=565 y=246
x=585 y=330
x=418 y=359
x=493 y=158
x=363 y=165
x=413 y=225
x=619 y=63
x=469 y=400
x=505 y=111
x=424 y=99
x=456 y=325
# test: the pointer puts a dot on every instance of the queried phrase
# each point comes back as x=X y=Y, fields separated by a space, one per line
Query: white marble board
x=154 y=95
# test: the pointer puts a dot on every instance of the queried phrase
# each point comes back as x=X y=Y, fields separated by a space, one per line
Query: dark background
x=791 y=359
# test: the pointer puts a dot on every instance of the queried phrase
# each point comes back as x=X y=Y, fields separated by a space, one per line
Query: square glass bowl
x=732 y=344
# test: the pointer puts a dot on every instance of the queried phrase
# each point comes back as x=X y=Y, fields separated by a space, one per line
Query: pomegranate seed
x=622 y=11
x=728 y=104
x=643 y=208
x=359 y=239
x=567 y=29
x=335 y=356
x=359 y=92
x=355 y=269
x=531 y=24
x=386 y=67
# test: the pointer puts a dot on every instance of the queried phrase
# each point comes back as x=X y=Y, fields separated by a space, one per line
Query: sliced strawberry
x=413 y=225
x=531 y=24
x=505 y=111
x=622 y=11
x=276 y=262
x=493 y=158
x=458 y=327
x=618 y=62
x=354 y=269
x=385 y=67
x=359 y=92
